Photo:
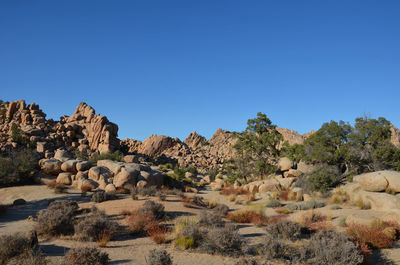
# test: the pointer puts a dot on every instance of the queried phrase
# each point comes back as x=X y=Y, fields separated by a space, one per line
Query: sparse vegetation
x=285 y=230
x=96 y=227
x=86 y=256
x=224 y=241
x=158 y=257
x=16 y=245
x=116 y=156
x=57 y=218
x=18 y=167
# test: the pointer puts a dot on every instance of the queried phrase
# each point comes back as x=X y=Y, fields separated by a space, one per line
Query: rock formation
x=84 y=130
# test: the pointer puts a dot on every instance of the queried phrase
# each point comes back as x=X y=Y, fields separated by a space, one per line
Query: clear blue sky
x=172 y=67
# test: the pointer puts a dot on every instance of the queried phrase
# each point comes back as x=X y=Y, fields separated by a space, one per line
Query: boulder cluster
x=379 y=190
x=84 y=130
x=106 y=174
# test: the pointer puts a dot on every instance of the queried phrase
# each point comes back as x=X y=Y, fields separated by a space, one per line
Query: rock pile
x=84 y=130
x=106 y=175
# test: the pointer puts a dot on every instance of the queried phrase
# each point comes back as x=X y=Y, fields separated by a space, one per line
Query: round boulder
x=64 y=178
x=69 y=166
x=374 y=181
x=51 y=166
x=99 y=172
x=83 y=165
x=284 y=164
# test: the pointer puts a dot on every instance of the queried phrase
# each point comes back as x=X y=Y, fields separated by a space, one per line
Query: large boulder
x=82 y=175
x=153 y=177
x=269 y=185
x=380 y=201
x=393 y=178
x=69 y=166
x=83 y=165
x=62 y=155
x=127 y=175
x=374 y=181
x=99 y=172
x=64 y=178
x=285 y=183
x=284 y=164
x=90 y=184
x=113 y=166
x=292 y=173
x=51 y=166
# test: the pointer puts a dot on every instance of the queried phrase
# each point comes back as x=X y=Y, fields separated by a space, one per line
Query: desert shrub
x=96 y=227
x=210 y=219
x=311 y=204
x=158 y=257
x=233 y=191
x=193 y=202
x=274 y=248
x=57 y=218
x=86 y=256
x=188 y=233
x=372 y=236
x=138 y=221
x=153 y=208
x=221 y=209
x=86 y=188
x=314 y=220
x=157 y=232
x=116 y=156
x=224 y=241
x=339 y=196
x=165 y=167
x=29 y=257
x=146 y=191
x=14 y=245
x=329 y=247
x=247 y=216
x=363 y=205
x=273 y=203
x=324 y=178
x=18 y=167
x=101 y=196
x=176 y=192
x=161 y=195
x=285 y=230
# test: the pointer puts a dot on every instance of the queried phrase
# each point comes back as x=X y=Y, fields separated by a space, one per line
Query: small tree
x=257 y=148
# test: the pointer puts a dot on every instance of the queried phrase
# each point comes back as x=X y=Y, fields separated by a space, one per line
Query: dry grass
x=315 y=221
x=232 y=197
x=339 y=196
x=103 y=238
x=158 y=232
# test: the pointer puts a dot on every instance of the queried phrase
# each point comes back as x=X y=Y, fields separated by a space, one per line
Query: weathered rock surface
x=64 y=178
x=284 y=164
x=51 y=166
x=374 y=181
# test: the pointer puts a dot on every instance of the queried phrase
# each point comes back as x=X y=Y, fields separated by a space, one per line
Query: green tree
x=257 y=148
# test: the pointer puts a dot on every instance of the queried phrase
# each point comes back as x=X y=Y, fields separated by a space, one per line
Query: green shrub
x=116 y=156
x=324 y=178
x=18 y=167
x=273 y=203
x=153 y=208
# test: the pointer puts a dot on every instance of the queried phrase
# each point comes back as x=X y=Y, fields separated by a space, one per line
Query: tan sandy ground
x=133 y=250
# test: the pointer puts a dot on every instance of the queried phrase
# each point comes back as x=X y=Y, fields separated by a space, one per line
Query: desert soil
x=128 y=249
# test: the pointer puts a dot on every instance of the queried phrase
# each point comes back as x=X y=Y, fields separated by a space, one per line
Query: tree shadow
x=54 y=250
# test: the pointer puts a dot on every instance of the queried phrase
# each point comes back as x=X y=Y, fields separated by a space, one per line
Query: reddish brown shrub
x=314 y=221
x=247 y=216
x=138 y=220
x=284 y=195
x=369 y=235
x=52 y=184
x=158 y=232
x=120 y=190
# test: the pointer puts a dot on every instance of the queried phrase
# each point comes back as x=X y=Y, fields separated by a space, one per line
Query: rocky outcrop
x=395 y=138
x=195 y=140
x=84 y=130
